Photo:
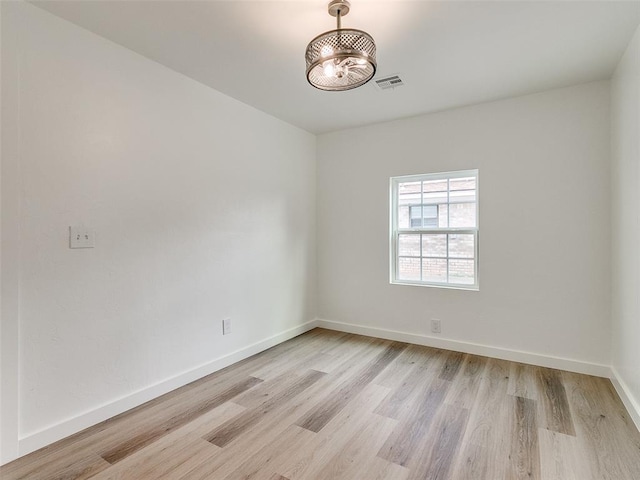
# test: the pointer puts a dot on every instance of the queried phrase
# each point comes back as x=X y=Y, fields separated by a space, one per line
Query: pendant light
x=340 y=59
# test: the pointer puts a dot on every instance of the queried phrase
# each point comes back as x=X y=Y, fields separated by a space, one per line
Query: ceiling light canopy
x=340 y=59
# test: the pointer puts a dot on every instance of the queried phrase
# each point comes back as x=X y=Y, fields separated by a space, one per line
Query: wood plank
x=163 y=459
x=174 y=454
x=337 y=399
x=157 y=431
x=346 y=350
x=452 y=365
x=522 y=381
x=76 y=467
x=116 y=430
x=282 y=363
x=402 y=398
x=256 y=443
x=485 y=447
x=414 y=355
x=359 y=449
x=259 y=394
x=313 y=457
x=556 y=415
x=561 y=457
x=379 y=469
x=525 y=453
x=464 y=391
x=268 y=461
x=249 y=445
x=439 y=449
x=264 y=434
x=405 y=439
x=230 y=430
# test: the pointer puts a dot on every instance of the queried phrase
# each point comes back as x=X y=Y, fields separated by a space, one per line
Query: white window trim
x=394 y=231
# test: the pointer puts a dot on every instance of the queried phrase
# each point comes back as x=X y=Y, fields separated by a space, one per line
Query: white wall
x=544 y=243
x=625 y=101
x=203 y=208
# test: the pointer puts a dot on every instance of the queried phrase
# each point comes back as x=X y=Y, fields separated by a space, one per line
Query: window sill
x=470 y=288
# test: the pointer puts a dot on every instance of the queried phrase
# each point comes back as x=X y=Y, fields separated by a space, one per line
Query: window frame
x=395 y=231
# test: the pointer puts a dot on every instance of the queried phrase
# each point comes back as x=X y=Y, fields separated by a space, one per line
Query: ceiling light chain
x=340 y=59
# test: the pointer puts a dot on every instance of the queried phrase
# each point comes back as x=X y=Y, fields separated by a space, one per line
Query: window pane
x=424 y=216
x=416 y=211
x=463 y=196
x=462 y=189
x=461 y=245
x=466 y=183
x=461 y=271
x=408 y=268
x=416 y=215
x=433 y=198
x=409 y=193
x=409 y=245
x=430 y=211
x=434 y=270
x=434 y=191
x=435 y=185
x=462 y=215
x=434 y=245
x=443 y=216
x=403 y=217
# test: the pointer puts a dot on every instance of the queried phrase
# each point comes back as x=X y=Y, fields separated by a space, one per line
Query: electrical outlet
x=435 y=325
x=226 y=326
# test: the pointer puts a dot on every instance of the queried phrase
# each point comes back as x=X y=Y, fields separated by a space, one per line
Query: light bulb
x=360 y=61
x=329 y=68
x=342 y=71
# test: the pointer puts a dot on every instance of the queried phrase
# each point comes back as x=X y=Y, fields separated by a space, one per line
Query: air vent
x=391 y=81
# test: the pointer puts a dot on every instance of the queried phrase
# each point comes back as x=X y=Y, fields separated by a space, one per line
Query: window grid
x=447 y=255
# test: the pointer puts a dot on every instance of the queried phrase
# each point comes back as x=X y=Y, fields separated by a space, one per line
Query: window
x=434 y=229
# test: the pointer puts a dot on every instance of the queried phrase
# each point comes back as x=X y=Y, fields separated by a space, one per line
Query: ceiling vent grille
x=392 y=81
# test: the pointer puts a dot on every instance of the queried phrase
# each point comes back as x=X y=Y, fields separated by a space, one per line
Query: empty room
x=320 y=240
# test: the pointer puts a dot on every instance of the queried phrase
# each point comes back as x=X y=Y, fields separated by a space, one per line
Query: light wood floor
x=329 y=405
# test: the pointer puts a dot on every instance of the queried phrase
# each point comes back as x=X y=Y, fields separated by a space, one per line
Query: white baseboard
x=570 y=365
x=61 y=430
x=630 y=402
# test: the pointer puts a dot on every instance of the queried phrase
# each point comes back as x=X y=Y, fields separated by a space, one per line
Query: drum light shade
x=340 y=59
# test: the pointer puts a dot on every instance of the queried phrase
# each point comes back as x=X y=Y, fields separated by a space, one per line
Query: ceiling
x=449 y=53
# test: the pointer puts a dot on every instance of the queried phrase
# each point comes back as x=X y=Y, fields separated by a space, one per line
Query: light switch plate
x=81 y=237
